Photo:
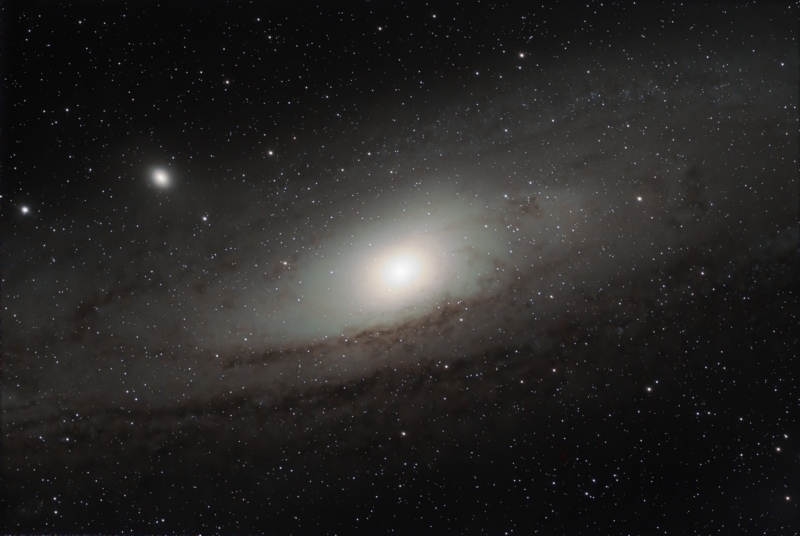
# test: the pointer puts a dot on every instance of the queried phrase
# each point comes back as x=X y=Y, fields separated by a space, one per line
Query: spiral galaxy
x=364 y=282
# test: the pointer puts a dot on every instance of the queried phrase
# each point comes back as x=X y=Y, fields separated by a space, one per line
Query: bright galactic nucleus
x=401 y=271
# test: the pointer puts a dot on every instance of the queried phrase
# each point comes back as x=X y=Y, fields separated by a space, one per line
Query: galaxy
x=408 y=268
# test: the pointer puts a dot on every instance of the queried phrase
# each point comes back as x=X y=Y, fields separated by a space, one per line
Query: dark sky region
x=400 y=267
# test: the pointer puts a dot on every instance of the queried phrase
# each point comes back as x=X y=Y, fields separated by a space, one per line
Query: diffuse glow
x=161 y=178
x=401 y=271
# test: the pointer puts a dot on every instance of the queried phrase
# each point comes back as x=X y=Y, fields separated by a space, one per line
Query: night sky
x=400 y=267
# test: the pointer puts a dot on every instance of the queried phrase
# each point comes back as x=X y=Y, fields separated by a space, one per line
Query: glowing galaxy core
x=401 y=271
x=161 y=178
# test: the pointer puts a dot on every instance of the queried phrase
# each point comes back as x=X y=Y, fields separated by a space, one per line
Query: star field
x=400 y=268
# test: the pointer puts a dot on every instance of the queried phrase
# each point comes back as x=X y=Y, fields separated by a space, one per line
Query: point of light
x=161 y=178
x=401 y=271
x=25 y=209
